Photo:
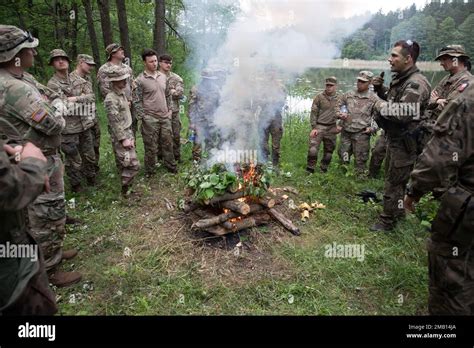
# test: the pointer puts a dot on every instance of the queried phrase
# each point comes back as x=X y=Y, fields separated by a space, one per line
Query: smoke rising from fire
x=269 y=43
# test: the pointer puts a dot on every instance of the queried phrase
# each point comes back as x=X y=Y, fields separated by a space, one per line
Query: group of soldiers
x=427 y=142
x=427 y=149
x=40 y=125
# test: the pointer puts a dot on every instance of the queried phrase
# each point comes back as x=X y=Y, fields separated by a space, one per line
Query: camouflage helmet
x=116 y=73
x=12 y=40
x=57 y=52
x=112 y=48
x=86 y=58
x=452 y=51
x=331 y=80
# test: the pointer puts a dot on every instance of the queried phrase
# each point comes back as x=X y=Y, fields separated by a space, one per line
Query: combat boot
x=69 y=254
x=381 y=227
x=125 y=189
x=62 y=279
x=77 y=188
x=92 y=181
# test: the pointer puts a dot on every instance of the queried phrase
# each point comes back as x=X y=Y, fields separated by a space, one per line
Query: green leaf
x=205 y=185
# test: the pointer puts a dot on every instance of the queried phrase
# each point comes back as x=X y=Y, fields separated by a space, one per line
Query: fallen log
x=267 y=202
x=226 y=197
x=237 y=206
x=249 y=222
x=286 y=223
x=222 y=218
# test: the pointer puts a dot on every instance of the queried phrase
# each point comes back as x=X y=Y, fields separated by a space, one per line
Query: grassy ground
x=139 y=258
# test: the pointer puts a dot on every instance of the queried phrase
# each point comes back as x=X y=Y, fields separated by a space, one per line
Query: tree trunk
x=123 y=27
x=105 y=22
x=73 y=48
x=92 y=33
x=159 y=44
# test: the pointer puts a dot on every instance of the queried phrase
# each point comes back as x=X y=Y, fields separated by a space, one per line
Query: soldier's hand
x=434 y=96
x=22 y=152
x=377 y=82
x=343 y=115
x=314 y=133
x=338 y=129
x=127 y=144
x=72 y=99
x=442 y=103
x=409 y=204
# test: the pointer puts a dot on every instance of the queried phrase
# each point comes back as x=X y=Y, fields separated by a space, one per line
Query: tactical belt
x=50 y=152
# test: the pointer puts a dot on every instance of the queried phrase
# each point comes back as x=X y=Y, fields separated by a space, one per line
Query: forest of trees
x=434 y=26
x=88 y=26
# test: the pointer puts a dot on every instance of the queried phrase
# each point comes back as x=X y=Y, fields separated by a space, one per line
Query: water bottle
x=192 y=136
x=344 y=109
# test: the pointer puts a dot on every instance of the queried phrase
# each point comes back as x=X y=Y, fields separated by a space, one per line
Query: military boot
x=62 y=279
x=77 y=188
x=69 y=254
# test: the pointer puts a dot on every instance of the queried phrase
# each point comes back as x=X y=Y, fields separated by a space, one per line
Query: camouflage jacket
x=119 y=116
x=175 y=91
x=20 y=185
x=104 y=85
x=449 y=88
x=361 y=108
x=410 y=88
x=26 y=115
x=323 y=110
x=447 y=165
x=203 y=101
x=80 y=114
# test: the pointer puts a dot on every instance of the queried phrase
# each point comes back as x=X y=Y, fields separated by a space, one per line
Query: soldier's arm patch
x=414 y=85
x=38 y=115
x=463 y=86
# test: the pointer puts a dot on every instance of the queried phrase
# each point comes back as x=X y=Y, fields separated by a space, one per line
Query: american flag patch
x=463 y=86
x=38 y=115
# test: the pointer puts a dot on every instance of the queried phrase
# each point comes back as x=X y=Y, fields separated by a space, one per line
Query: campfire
x=241 y=200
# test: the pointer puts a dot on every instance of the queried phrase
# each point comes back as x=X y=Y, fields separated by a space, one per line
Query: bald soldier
x=447 y=162
x=323 y=120
x=120 y=123
x=77 y=142
x=27 y=116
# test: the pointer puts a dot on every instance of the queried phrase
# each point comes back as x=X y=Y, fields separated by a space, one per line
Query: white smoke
x=269 y=43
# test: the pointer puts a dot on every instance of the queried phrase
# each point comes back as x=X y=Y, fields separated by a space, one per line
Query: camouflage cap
x=112 y=48
x=208 y=74
x=57 y=53
x=116 y=73
x=13 y=40
x=453 y=51
x=331 y=80
x=365 y=76
x=86 y=58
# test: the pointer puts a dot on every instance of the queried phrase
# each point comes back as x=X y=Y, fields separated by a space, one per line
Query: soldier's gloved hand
x=314 y=133
x=377 y=82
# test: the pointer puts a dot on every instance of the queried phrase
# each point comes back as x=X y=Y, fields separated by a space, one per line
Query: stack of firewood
x=232 y=212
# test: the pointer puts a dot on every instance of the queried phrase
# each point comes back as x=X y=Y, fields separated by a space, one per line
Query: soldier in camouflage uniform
x=448 y=162
x=273 y=98
x=84 y=65
x=120 y=123
x=454 y=59
x=77 y=142
x=149 y=99
x=116 y=57
x=203 y=102
x=27 y=116
x=323 y=120
x=378 y=155
x=400 y=117
x=357 y=122
x=175 y=92
x=24 y=286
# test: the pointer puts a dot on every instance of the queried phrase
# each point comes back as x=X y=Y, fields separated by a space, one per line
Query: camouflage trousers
x=36 y=298
x=176 y=127
x=79 y=156
x=156 y=132
x=378 y=154
x=275 y=129
x=398 y=166
x=451 y=285
x=126 y=161
x=356 y=143
x=327 y=136
x=47 y=215
x=96 y=140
